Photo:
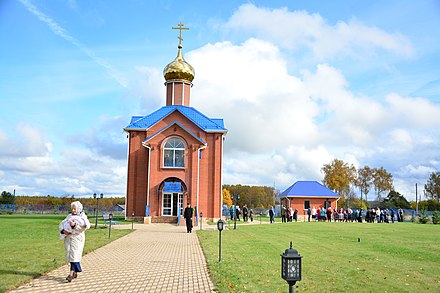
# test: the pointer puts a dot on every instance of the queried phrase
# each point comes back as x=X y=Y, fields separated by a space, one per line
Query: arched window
x=174 y=153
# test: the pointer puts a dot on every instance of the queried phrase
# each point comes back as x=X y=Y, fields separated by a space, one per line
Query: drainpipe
x=337 y=203
x=148 y=179
x=221 y=180
x=198 y=176
x=128 y=153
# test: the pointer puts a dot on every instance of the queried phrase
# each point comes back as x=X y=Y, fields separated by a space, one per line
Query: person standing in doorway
x=72 y=228
x=283 y=214
x=188 y=214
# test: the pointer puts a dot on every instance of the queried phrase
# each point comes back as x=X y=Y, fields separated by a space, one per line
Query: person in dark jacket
x=188 y=214
x=271 y=215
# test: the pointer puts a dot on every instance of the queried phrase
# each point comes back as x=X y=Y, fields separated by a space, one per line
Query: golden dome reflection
x=179 y=69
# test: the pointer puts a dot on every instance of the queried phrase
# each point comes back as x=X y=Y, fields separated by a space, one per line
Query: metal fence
x=57 y=209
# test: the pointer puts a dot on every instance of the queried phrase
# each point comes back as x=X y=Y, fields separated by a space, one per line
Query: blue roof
x=170 y=125
x=308 y=189
x=205 y=123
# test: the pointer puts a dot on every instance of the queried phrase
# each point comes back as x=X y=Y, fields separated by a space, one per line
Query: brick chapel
x=175 y=154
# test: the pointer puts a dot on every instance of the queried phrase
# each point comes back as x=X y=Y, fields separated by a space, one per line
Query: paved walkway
x=154 y=258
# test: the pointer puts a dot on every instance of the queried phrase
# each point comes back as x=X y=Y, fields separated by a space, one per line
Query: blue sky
x=298 y=84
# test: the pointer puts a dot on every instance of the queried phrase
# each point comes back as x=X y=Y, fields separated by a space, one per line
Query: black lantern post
x=235 y=198
x=291 y=267
x=220 y=227
x=110 y=218
x=201 y=218
x=132 y=219
x=97 y=208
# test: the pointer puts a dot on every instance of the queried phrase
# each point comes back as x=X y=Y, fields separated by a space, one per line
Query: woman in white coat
x=74 y=238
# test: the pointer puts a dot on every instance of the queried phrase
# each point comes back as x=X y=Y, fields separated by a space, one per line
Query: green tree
x=395 y=200
x=7 y=198
x=432 y=187
x=382 y=181
x=364 y=181
x=338 y=176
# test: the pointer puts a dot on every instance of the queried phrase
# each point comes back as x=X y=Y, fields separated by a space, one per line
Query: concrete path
x=154 y=258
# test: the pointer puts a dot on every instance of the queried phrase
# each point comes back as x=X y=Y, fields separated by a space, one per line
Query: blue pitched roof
x=170 y=125
x=205 y=123
x=308 y=189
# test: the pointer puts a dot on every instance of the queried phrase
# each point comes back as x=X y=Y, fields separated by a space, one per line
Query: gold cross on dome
x=180 y=28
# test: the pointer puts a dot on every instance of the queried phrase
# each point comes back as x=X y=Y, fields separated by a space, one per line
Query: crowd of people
x=289 y=214
x=348 y=215
x=248 y=213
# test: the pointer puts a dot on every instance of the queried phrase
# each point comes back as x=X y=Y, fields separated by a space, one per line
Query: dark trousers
x=75 y=266
x=189 y=225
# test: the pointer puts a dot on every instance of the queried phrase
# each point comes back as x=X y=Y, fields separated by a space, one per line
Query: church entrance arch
x=172 y=192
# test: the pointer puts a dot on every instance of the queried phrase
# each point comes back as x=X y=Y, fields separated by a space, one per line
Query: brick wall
x=209 y=201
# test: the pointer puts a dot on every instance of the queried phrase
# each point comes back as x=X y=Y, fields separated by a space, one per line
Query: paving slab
x=154 y=258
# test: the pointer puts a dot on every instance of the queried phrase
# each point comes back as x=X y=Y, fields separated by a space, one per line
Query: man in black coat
x=188 y=214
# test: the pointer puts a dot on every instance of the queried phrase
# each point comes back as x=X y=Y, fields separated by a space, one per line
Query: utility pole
x=417 y=204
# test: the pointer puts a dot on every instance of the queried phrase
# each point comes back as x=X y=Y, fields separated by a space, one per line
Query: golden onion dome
x=179 y=69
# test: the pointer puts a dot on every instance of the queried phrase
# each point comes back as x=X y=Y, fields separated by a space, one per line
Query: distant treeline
x=252 y=196
x=66 y=200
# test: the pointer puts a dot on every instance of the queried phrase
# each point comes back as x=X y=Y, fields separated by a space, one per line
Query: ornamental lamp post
x=97 y=208
x=220 y=227
x=291 y=266
x=110 y=218
x=201 y=218
x=96 y=215
x=96 y=211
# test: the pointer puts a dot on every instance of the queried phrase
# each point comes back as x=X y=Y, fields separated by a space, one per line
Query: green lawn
x=30 y=246
x=399 y=257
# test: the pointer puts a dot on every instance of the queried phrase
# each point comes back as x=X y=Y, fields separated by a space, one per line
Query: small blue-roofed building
x=175 y=155
x=303 y=195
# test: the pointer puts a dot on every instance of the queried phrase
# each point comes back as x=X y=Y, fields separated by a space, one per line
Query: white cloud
x=414 y=112
x=26 y=141
x=28 y=164
x=237 y=82
x=284 y=127
x=417 y=170
x=296 y=29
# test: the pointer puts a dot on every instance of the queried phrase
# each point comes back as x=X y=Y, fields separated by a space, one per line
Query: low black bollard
x=201 y=220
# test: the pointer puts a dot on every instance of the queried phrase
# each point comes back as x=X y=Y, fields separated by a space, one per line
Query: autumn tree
x=253 y=196
x=338 y=176
x=226 y=197
x=382 y=181
x=364 y=181
x=432 y=186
